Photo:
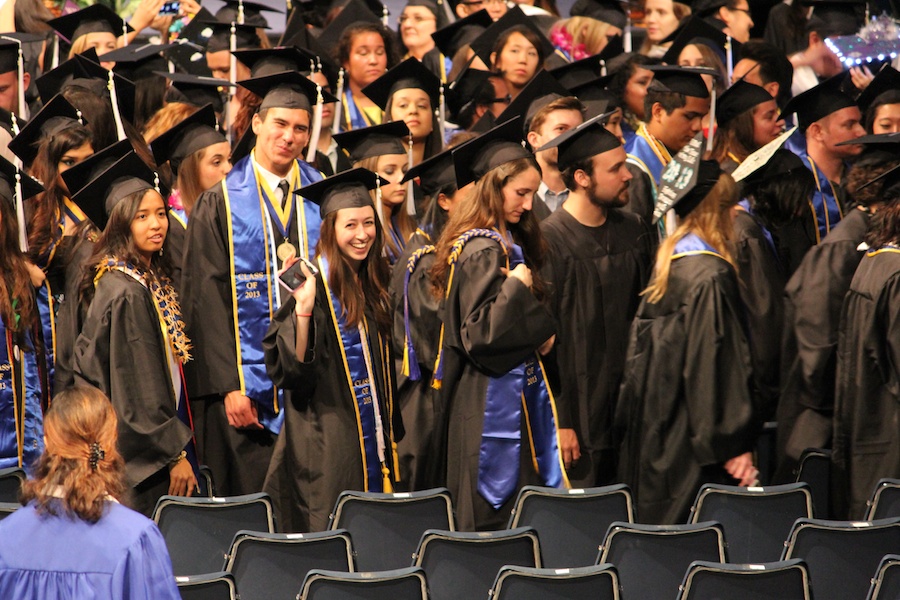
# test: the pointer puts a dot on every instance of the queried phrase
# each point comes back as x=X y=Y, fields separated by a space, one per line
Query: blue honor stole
x=522 y=391
x=180 y=216
x=356 y=357
x=649 y=155
x=354 y=117
x=824 y=203
x=692 y=244
x=21 y=414
x=255 y=293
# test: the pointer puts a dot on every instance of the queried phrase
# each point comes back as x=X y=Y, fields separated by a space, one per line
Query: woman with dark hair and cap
x=747 y=118
x=23 y=387
x=866 y=443
x=685 y=414
x=132 y=344
x=630 y=80
x=383 y=149
x=496 y=428
x=880 y=102
x=328 y=346
x=411 y=93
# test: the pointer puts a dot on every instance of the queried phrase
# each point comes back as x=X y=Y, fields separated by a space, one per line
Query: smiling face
x=517 y=60
x=417 y=23
x=281 y=136
x=368 y=58
x=149 y=225
x=660 y=19
x=413 y=107
x=354 y=231
x=518 y=194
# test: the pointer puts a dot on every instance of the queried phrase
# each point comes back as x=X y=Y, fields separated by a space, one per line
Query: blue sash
x=824 y=202
x=253 y=266
x=524 y=387
x=180 y=215
x=353 y=116
x=21 y=418
x=47 y=309
x=361 y=386
x=745 y=204
x=398 y=241
x=647 y=157
x=693 y=244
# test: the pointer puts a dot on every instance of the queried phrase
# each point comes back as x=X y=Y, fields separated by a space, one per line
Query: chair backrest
x=274 y=565
x=386 y=528
x=885 y=502
x=464 y=565
x=842 y=556
x=212 y=586
x=597 y=582
x=571 y=523
x=815 y=470
x=651 y=559
x=886 y=583
x=199 y=531
x=205 y=482
x=8 y=508
x=10 y=482
x=756 y=520
x=397 y=584
x=785 y=580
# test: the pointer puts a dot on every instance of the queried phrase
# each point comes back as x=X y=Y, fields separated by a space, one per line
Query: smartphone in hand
x=170 y=7
x=293 y=277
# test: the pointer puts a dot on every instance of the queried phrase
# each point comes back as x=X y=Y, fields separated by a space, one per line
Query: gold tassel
x=386 y=486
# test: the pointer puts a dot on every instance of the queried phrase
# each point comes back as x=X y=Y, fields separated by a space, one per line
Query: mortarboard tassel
x=316 y=126
x=384 y=15
x=336 y=126
x=410 y=196
x=20 y=210
x=240 y=13
x=448 y=14
x=729 y=60
x=124 y=33
x=117 y=115
x=54 y=62
x=232 y=78
x=626 y=41
x=711 y=133
x=442 y=115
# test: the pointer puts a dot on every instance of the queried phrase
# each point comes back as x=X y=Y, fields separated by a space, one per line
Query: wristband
x=303 y=314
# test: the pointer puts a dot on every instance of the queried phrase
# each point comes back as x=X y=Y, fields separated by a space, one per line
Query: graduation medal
x=285 y=251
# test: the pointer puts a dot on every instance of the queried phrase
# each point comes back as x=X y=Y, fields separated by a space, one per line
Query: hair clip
x=97 y=454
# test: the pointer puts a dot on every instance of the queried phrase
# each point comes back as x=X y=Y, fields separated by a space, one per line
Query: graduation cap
x=97 y=18
x=686 y=180
x=198 y=131
x=835 y=17
x=705 y=8
x=451 y=38
x=886 y=80
x=464 y=89
x=877 y=147
x=348 y=189
x=266 y=61
x=297 y=35
x=9 y=55
x=189 y=51
x=699 y=31
x=409 y=74
x=608 y=11
x=196 y=89
x=103 y=181
x=8 y=174
x=138 y=61
x=245 y=36
x=483 y=45
x=441 y=10
x=244 y=146
x=687 y=81
x=583 y=142
x=484 y=124
x=378 y=140
x=286 y=90
x=819 y=102
x=581 y=71
x=537 y=93
x=737 y=99
x=231 y=12
x=502 y=144
x=353 y=12
x=55 y=116
x=755 y=166
x=434 y=174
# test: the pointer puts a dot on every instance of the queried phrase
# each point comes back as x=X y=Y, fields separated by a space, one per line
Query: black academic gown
x=597 y=274
x=685 y=406
x=762 y=287
x=70 y=315
x=813 y=299
x=492 y=323
x=317 y=454
x=175 y=239
x=867 y=396
x=417 y=399
x=121 y=351
x=641 y=198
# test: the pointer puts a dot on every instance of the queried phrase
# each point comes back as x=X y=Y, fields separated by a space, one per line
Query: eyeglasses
x=476 y=3
x=504 y=100
x=746 y=11
x=415 y=19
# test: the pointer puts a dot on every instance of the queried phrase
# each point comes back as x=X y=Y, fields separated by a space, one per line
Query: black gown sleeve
x=279 y=345
x=640 y=194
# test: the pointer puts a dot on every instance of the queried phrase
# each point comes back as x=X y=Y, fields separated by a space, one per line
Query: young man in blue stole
x=239 y=234
x=676 y=102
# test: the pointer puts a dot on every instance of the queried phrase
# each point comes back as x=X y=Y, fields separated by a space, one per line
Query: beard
x=597 y=198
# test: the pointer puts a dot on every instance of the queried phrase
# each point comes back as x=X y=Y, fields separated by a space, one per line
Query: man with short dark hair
x=598 y=263
x=764 y=65
x=550 y=121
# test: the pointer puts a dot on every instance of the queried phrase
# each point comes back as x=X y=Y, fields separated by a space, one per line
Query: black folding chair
x=785 y=580
x=211 y=586
x=842 y=556
x=651 y=559
x=8 y=508
x=199 y=531
x=815 y=470
x=571 y=523
x=274 y=565
x=886 y=584
x=205 y=482
x=11 y=480
x=885 y=501
x=464 y=565
x=756 y=520
x=397 y=584
x=386 y=528
x=598 y=582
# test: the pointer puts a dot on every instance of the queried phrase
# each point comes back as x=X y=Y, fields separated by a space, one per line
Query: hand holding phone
x=293 y=276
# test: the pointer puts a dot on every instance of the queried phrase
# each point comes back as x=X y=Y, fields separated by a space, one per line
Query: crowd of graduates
x=492 y=248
